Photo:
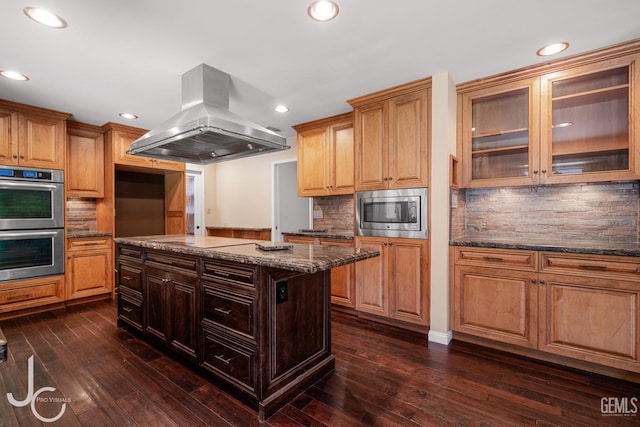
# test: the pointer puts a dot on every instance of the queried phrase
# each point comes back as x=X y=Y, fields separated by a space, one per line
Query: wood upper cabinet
x=122 y=137
x=326 y=156
x=392 y=134
x=569 y=121
x=85 y=160
x=89 y=269
x=32 y=136
x=396 y=284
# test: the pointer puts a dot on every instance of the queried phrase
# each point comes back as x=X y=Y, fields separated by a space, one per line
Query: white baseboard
x=440 y=338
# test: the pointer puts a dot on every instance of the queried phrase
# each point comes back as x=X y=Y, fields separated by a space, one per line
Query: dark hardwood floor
x=383 y=377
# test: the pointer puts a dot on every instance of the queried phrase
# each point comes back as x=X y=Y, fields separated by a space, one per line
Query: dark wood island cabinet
x=258 y=322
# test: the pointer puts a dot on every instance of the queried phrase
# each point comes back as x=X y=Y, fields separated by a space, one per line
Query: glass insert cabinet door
x=588 y=123
x=500 y=134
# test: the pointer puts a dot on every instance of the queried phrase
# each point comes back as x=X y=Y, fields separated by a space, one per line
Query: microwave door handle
x=4 y=236
x=27 y=186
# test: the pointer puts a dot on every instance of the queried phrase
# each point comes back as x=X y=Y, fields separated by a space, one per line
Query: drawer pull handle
x=127 y=278
x=592 y=267
x=222 y=359
x=222 y=310
x=492 y=258
x=222 y=273
x=21 y=296
x=127 y=309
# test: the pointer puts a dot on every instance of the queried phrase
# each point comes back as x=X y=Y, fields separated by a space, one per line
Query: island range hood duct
x=205 y=131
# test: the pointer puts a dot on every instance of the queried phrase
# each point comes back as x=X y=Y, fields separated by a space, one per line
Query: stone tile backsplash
x=82 y=215
x=337 y=214
x=597 y=212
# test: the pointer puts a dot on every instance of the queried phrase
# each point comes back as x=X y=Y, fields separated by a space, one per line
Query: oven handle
x=28 y=186
x=4 y=235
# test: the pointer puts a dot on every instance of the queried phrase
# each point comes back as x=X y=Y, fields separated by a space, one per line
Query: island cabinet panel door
x=182 y=306
x=154 y=301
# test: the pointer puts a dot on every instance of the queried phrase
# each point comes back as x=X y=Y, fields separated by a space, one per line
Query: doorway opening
x=290 y=212
x=195 y=201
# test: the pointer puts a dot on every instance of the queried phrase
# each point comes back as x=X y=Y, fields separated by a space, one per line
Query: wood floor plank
x=384 y=376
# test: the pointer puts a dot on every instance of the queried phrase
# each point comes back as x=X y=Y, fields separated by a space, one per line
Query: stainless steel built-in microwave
x=392 y=213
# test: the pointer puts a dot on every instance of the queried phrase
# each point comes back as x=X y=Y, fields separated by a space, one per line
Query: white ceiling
x=129 y=55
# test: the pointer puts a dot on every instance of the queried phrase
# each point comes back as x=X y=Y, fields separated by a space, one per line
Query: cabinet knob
x=544 y=171
x=542 y=282
x=535 y=172
x=533 y=281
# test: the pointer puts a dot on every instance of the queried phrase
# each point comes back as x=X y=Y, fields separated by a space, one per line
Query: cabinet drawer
x=130 y=251
x=83 y=243
x=170 y=259
x=234 y=362
x=229 y=272
x=229 y=309
x=130 y=277
x=130 y=310
x=31 y=294
x=591 y=265
x=497 y=258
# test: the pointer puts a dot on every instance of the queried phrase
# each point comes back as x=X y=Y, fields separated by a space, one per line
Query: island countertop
x=300 y=257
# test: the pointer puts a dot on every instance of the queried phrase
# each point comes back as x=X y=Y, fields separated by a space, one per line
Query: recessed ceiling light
x=281 y=109
x=323 y=10
x=13 y=75
x=44 y=17
x=552 y=49
x=128 y=116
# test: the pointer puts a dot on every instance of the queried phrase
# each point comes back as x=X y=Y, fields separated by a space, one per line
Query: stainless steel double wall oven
x=31 y=222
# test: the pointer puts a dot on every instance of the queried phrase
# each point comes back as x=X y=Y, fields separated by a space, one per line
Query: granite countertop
x=302 y=258
x=326 y=234
x=79 y=234
x=588 y=247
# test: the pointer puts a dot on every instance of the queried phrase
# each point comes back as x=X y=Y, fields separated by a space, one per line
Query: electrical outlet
x=317 y=214
x=282 y=291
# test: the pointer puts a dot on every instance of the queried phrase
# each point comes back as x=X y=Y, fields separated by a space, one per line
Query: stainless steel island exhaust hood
x=205 y=131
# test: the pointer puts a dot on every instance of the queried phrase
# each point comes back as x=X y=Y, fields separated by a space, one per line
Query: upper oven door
x=27 y=205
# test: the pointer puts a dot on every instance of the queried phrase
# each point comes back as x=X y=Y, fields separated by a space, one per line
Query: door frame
x=198 y=174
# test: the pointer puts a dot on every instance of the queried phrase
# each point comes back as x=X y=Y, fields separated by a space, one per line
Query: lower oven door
x=31 y=253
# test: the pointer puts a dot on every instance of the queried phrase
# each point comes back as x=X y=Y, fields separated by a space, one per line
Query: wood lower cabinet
x=343 y=280
x=39 y=294
x=583 y=307
x=590 y=308
x=32 y=136
x=495 y=296
x=89 y=267
x=263 y=334
x=240 y=233
x=396 y=284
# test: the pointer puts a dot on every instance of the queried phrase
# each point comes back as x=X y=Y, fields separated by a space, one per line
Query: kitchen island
x=256 y=321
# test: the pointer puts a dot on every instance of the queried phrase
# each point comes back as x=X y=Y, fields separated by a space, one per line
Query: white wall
x=239 y=193
x=443 y=143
